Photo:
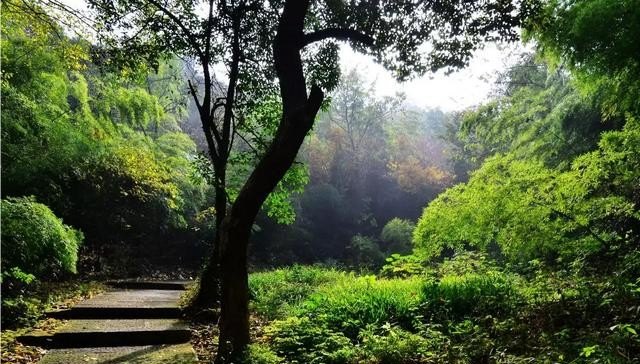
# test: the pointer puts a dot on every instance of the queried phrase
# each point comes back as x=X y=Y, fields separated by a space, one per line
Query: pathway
x=135 y=322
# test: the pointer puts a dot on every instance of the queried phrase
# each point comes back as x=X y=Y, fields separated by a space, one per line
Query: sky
x=460 y=90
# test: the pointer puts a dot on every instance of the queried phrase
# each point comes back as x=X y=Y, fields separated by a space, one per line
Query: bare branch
x=69 y=11
x=255 y=151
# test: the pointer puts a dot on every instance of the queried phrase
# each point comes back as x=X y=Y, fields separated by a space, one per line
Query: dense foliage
x=99 y=149
x=466 y=310
x=36 y=242
x=596 y=38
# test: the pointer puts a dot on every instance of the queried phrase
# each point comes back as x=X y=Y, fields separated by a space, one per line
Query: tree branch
x=191 y=38
x=337 y=33
x=194 y=94
x=253 y=149
x=218 y=103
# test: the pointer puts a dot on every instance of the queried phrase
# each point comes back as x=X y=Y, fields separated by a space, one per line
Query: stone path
x=136 y=322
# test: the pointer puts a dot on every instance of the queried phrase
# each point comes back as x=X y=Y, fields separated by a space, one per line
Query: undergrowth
x=466 y=310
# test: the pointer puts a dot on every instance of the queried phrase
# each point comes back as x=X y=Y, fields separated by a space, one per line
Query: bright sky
x=459 y=90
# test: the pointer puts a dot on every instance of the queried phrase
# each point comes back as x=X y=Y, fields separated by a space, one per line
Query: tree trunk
x=298 y=115
x=234 y=319
x=209 y=291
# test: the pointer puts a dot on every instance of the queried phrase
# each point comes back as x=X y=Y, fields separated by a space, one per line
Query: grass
x=350 y=305
x=467 y=311
x=458 y=296
x=26 y=309
x=275 y=293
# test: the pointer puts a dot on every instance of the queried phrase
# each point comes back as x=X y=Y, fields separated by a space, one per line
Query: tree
x=152 y=28
x=360 y=120
x=396 y=235
x=529 y=211
x=595 y=38
x=381 y=26
x=541 y=114
x=79 y=141
x=301 y=37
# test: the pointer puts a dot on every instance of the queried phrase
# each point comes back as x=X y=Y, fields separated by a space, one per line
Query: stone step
x=107 y=313
x=150 y=284
x=157 y=354
x=97 y=333
x=134 y=298
x=122 y=304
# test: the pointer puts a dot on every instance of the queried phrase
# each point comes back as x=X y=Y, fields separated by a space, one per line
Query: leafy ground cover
x=466 y=309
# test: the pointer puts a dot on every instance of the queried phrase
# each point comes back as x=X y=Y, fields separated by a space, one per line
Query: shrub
x=392 y=345
x=260 y=354
x=15 y=280
x=396 y=236
x=35 y=241
x=403 y=266
x=351 y=305
x=20 y=310
x=466 y=262
x=299 y=340
x=274 y=292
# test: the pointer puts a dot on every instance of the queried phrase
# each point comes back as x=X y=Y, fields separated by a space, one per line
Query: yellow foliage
x=412 y=175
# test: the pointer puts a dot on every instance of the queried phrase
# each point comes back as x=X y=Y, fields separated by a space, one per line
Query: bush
x=35 y=241
x=20 y=311
x=15 y=280
x=396 y=236
x=299 y=340
x=259 y=354
x=274 y=292
x=466 y=262
x=392 y=345
x=403 y=266
x=24 y=307
x=349 y=306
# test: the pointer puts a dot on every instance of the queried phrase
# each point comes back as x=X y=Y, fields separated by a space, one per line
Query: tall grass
x=466 y=311
x=275 y=292
x=458 y=296
x=350 y=305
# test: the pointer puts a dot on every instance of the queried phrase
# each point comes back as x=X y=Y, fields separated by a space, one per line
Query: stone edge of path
x=150 y=284
x=152 y=354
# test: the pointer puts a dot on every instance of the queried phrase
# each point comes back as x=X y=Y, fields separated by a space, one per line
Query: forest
x=222 y=142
